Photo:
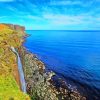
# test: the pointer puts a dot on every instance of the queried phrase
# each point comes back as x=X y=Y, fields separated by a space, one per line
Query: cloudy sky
x=52 y=14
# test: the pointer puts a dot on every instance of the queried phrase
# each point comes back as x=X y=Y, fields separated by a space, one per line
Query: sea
x=73 y=55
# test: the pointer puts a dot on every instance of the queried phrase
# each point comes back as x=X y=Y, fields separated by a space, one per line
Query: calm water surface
x=75 y=55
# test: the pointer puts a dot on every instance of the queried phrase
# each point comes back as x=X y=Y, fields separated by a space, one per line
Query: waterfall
x=20 y=69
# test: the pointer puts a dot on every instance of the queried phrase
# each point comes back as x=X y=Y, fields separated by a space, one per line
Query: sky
x=52 y=14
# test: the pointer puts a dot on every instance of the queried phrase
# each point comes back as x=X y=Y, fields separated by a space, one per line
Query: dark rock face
x=39 y=83
x=16 y=27
x=21 y=28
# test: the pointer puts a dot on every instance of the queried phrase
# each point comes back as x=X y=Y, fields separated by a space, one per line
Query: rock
x=16 y=27
x=39 y=83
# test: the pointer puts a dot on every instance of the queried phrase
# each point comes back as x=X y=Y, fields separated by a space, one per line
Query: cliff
x=9 y=75
x=16 y=27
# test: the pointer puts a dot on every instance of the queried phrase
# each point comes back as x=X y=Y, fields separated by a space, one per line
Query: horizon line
x=59 y=30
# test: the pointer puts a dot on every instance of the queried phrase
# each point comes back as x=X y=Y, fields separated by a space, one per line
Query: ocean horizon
x=65 y=30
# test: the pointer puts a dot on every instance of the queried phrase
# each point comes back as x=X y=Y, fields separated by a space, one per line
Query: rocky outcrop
x=16 y=27
x=40 y=85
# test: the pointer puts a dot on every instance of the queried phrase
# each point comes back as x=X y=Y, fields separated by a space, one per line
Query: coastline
x=59 y=93
x=39 y=83
x=36 y=78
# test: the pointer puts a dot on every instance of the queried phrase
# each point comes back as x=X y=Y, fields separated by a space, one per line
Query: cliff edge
x=9 y=75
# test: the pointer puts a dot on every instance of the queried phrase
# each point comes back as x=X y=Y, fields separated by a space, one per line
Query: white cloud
x=7 y=0
x=62 y=19
x=70 y=3
x=12 y=8
x=1 y=17
x=63 y=2
x=33 y=17
x=29 y=17
x=71 y=20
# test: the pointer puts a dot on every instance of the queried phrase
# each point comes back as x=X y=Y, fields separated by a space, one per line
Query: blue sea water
x=74 y=55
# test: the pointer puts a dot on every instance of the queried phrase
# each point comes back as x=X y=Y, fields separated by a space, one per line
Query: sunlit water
x=75 y=55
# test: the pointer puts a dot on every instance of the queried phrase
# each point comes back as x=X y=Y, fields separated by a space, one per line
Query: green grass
x=9 y=89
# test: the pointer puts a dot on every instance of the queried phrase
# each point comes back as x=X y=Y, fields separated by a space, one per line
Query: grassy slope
x=9 y=88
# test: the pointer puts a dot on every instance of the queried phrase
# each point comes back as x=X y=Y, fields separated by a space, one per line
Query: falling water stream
x=20 y=69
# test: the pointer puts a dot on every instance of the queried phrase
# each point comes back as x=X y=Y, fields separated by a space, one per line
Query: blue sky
x=52 y=14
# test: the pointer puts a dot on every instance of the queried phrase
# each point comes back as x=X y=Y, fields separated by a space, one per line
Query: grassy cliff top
x=9 y=79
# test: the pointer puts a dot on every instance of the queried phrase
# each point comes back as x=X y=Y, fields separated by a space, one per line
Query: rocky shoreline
x=36 y=78
x=40 y=85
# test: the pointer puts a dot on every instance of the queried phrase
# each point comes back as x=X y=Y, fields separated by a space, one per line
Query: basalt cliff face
x=39 y=83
